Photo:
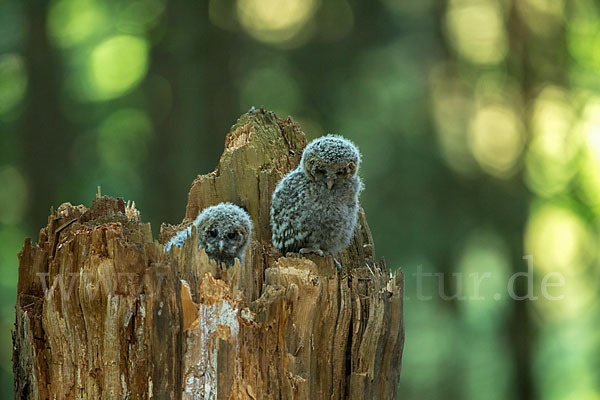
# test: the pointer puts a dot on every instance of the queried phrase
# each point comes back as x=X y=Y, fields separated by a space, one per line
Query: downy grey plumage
x=223 y=231
x=314 y=207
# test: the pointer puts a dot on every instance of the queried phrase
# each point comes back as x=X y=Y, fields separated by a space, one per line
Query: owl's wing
x=179 y=239
x=286 y=216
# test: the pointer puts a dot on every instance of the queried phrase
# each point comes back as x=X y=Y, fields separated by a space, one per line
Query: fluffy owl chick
x=314 y=207
x=223 y=232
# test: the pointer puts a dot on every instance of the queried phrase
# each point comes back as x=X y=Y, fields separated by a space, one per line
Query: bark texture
x=103 y=312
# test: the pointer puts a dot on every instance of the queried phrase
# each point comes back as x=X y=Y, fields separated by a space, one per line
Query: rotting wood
x=102 y=312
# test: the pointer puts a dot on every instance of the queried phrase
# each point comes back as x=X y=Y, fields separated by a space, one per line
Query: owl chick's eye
x=232 y=235
x=319 y=170
x=213 y=233
x=341 y=172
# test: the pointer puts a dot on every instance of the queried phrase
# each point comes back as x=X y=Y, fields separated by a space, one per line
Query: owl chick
x=223 y=232
x=314 y=207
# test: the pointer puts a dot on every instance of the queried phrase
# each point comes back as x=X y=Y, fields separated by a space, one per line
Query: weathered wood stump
x=103 y=312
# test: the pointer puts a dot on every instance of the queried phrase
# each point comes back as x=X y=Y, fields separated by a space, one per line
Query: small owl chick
x=223 y=232
x=314 y=207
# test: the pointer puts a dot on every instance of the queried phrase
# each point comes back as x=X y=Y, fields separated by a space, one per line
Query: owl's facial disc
x=319 y=173
x=223 y=241
x=329 y=174
x=338 y=172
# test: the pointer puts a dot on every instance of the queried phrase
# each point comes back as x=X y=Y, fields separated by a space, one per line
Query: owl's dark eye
x=232 y=235
x=341 y=172
x=319 y=170
x=213 y=233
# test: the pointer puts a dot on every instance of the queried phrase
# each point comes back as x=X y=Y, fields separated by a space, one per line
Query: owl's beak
x=330 y=182
x=221 y=246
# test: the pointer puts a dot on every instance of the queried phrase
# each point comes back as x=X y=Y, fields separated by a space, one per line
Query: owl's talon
x=337 y=264
x=307 y=250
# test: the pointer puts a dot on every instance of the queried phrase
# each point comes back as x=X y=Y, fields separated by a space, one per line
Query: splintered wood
x=103 y=312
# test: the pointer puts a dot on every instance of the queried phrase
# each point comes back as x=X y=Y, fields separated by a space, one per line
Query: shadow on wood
x=103 y=312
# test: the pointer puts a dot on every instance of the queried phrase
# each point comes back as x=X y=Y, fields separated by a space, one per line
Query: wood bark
x=103 y=312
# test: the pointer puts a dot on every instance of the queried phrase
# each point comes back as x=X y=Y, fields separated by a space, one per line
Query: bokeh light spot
x=583 y=38
x=13 y=196
x=565 y=360
x=485 y=268
x=275 y=21
x=485 y=379
x=550 y=160
x=116 y=65
x=589 y=393
x=496 y=139
x=572 y=297
x=561 y=243
x=452 y=107
x=123 y=139
x=589 y=162
x=558 y=240
x=136 y=16
x=591 y=128
x=13 y=81
x=70 y=22
x=476 y=30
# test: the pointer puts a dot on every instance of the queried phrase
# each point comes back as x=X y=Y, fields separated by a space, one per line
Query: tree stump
x=103 y=312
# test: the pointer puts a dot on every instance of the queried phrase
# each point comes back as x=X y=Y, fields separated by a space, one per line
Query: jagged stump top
x=259 y=150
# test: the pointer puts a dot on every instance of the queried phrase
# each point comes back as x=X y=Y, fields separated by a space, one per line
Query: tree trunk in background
x=102 y=312
x=42 y=116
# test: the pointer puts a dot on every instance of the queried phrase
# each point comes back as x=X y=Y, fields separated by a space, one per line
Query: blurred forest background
x=479 y=122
